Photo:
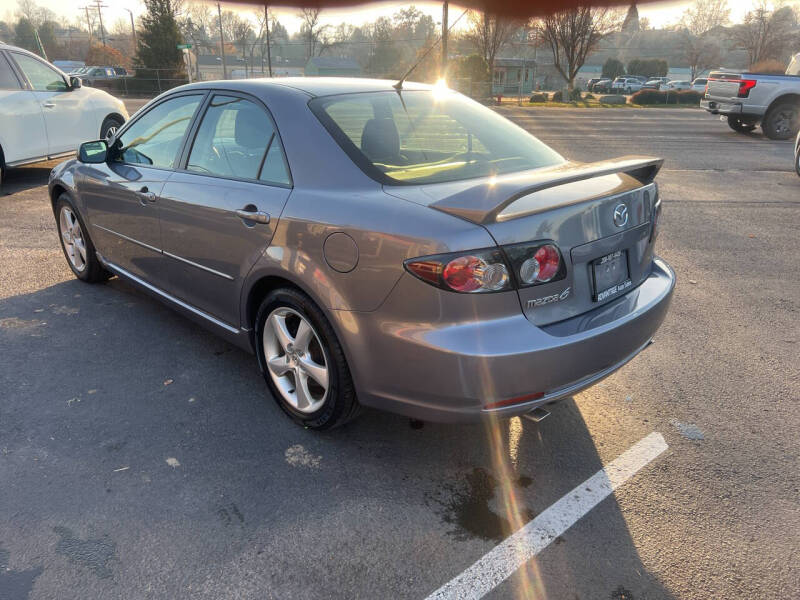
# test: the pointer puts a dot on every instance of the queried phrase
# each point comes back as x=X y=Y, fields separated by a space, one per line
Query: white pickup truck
x=748 y=99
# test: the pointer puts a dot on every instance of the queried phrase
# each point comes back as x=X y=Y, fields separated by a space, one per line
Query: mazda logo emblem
x=621 y=215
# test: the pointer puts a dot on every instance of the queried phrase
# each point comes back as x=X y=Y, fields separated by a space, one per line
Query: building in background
x=332 y=66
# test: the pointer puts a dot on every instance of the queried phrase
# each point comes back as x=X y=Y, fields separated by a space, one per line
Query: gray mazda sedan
x=405 y=249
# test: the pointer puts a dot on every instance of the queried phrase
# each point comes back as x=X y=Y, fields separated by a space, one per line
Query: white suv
x=46 y=114
x=626 y=85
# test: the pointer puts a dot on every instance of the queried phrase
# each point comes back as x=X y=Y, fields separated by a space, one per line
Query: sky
x=659 y=13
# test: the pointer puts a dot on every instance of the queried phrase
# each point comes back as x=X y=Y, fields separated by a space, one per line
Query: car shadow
x=127 y=409
x=20 y=179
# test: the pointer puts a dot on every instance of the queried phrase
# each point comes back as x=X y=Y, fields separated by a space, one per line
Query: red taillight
x=428 y=270
x=461 y=273
x=542 y=266
x=478 y=271
x=745 y=85
x=549 y=262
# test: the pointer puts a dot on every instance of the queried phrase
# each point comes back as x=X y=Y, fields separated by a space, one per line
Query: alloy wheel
x=73 y=238
x=296 y=360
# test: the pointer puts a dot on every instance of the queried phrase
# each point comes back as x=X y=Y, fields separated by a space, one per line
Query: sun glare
x=440 y=88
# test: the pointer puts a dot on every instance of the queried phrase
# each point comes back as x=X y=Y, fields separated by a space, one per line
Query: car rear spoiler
x=483 y=202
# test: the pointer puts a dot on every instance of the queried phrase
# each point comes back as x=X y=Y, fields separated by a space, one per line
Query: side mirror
x=93 y=152
x=75 y=82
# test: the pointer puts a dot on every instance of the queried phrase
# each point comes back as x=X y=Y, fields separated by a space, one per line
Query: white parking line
x=501 y=562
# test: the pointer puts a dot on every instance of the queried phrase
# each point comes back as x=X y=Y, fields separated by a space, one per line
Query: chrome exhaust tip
x=537 y=414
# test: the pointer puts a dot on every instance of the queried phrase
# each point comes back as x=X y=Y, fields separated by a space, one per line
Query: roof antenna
x=399 y=85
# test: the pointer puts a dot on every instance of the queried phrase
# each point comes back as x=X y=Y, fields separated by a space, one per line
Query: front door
x=219 y=213
x=123 y=196
x=69 y=116
x=22 y=136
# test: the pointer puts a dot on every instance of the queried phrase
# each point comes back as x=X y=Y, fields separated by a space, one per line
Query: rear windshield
x=417 y=137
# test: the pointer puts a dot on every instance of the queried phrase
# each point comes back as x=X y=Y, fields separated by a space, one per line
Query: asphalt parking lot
x=141 y=457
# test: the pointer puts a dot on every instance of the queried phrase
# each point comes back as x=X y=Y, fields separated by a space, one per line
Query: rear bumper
x=721 y=108
x=450 y=372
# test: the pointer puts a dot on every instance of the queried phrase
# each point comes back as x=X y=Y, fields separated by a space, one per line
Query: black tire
x=93 y=272
x=782 y=121
x=740 y=125
x=341 y=404
x=110 y=124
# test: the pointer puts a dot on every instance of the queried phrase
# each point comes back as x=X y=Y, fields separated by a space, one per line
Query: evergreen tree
x=25 y=35
x=158 y=37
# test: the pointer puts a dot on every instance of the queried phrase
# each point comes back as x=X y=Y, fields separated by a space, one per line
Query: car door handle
x=146 y=196
x=48 y=105
x=250 y=215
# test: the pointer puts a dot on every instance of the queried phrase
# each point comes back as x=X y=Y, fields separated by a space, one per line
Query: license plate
x=611 y=276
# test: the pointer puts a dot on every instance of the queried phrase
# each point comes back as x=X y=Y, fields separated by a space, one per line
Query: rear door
x=23 y=134
x=219 y=212
x=122 y=196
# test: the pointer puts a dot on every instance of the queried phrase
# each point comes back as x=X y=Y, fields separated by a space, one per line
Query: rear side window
x=43 y=78
x=8 y=81
x=238 y=139
x=155 y=138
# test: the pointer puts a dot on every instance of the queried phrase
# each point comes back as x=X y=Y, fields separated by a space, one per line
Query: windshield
x=428 y=137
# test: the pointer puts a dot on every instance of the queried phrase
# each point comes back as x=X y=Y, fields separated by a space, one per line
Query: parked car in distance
x=46 y=114
x=626 y=85
x=679 y=85
x=750 y=99
x=120 y=71
x=374 y=246
x=603 y=86
x=95 y=74
x=699 y=85
x=655 y=83
x=591 y=82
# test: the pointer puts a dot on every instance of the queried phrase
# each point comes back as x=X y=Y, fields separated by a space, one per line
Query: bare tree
x=311 y=29
x=572 y=35
x=765 y=34
x=488 y=34
x=701 y=52
x=705 y=15
x=37 y=15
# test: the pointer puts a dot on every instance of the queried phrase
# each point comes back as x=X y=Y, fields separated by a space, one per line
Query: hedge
x=539 y=97
x=653 y=97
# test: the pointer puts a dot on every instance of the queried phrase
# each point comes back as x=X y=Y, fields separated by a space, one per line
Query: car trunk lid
x=572 y=205
x=724 y=87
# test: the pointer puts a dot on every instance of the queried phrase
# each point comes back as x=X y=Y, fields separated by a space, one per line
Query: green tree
x=613 y=68
x=25 y=35
x=158 y=38
x=648 y=67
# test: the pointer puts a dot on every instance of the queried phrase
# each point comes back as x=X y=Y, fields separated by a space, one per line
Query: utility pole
x=222 y=43
x=88 y=24
x=133 y=28
x=444 y=39
x=269 y=52
x=100 y=14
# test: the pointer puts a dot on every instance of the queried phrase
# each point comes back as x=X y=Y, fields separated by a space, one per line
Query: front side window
x=237 y=139
x=8 y=81
x=428 y=137
x=155 y=138
x=43 y=78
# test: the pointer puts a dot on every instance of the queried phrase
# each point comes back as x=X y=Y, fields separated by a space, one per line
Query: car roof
x=313 y=86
